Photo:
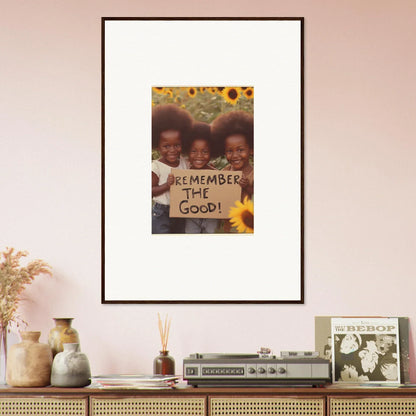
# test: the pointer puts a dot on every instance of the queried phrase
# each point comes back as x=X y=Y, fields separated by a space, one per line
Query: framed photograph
x=189 y=107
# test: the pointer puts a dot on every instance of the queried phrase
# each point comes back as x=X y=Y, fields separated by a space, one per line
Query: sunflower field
x=206 y=103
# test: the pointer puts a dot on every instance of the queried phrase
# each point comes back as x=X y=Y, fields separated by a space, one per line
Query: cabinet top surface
x=203 y=391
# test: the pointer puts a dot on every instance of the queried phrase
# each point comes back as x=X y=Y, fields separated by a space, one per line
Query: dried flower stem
x=13 y=279
x=164 y=331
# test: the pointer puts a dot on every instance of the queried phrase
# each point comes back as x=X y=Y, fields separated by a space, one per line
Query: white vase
x=70 y=368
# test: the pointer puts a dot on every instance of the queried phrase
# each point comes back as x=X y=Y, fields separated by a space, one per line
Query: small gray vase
x=70 y=368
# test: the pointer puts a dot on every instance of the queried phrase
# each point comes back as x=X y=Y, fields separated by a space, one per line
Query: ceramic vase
x=70 y=368
x=164 y=364
x=29 y=363
x=62 y=333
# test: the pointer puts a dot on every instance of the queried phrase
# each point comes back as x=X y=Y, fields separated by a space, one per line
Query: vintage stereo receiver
x=291 y=368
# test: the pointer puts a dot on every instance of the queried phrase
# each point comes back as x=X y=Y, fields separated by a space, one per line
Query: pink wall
x=360 y=232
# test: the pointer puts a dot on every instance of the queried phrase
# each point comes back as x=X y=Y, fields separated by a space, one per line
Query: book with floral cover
x=379 y=357
x=365 y=350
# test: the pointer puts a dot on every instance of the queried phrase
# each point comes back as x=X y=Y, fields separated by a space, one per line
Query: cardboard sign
x=200 y=193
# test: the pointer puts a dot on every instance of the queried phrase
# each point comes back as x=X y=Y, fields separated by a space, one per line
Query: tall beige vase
x=29 y=363
x=61 y=334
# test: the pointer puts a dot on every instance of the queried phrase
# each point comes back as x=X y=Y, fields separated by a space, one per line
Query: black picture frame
x=131 y=273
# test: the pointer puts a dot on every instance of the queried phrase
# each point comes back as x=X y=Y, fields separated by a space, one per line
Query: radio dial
x=261 y=370
x=281 y=370
x=272 y=370
x=251 y=370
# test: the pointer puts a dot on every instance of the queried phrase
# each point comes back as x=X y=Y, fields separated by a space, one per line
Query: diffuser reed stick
x=164 y=364
x=164 y=331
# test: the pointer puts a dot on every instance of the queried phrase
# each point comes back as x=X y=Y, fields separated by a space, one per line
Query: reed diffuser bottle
x=164 y=364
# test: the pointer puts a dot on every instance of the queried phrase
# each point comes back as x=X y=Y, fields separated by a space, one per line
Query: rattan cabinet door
x=43 y=406
x=276 y=406
x=378 y=406
x=148 y=406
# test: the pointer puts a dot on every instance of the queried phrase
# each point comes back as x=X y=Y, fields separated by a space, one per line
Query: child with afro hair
x=200 y=152
x=170 y=127
x=233 y=133
x=199 y=147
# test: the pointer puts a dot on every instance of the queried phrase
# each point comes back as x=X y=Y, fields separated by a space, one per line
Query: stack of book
x=120 y=381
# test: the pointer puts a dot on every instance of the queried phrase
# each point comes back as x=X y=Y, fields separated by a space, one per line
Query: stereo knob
x=261 y=370
x=272 y=370
x=281 y=370
x=251 y=370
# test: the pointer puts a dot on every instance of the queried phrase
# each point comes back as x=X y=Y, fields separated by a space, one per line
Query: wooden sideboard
x=189 y=401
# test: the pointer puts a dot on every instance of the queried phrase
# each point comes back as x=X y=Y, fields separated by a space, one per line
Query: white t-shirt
x=162 y=171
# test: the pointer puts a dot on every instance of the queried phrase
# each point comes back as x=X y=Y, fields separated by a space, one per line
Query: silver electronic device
x=263 y=369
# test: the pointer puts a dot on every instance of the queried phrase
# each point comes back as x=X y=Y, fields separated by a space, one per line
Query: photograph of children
x=200 y=129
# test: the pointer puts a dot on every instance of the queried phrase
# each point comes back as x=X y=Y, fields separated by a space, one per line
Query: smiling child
x=200 y=152
x=233 y=133
x=170 y=126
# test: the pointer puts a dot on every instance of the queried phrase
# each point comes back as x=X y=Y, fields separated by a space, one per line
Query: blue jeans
x=201 y=225
x=163 y=224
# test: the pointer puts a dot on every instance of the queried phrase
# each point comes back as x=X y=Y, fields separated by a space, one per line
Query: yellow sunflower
x=212 y=90
x=231 y=94
x=249 y=92
x=242 y=216
x=192 y=92
x=159 y=90
x=202 y=89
